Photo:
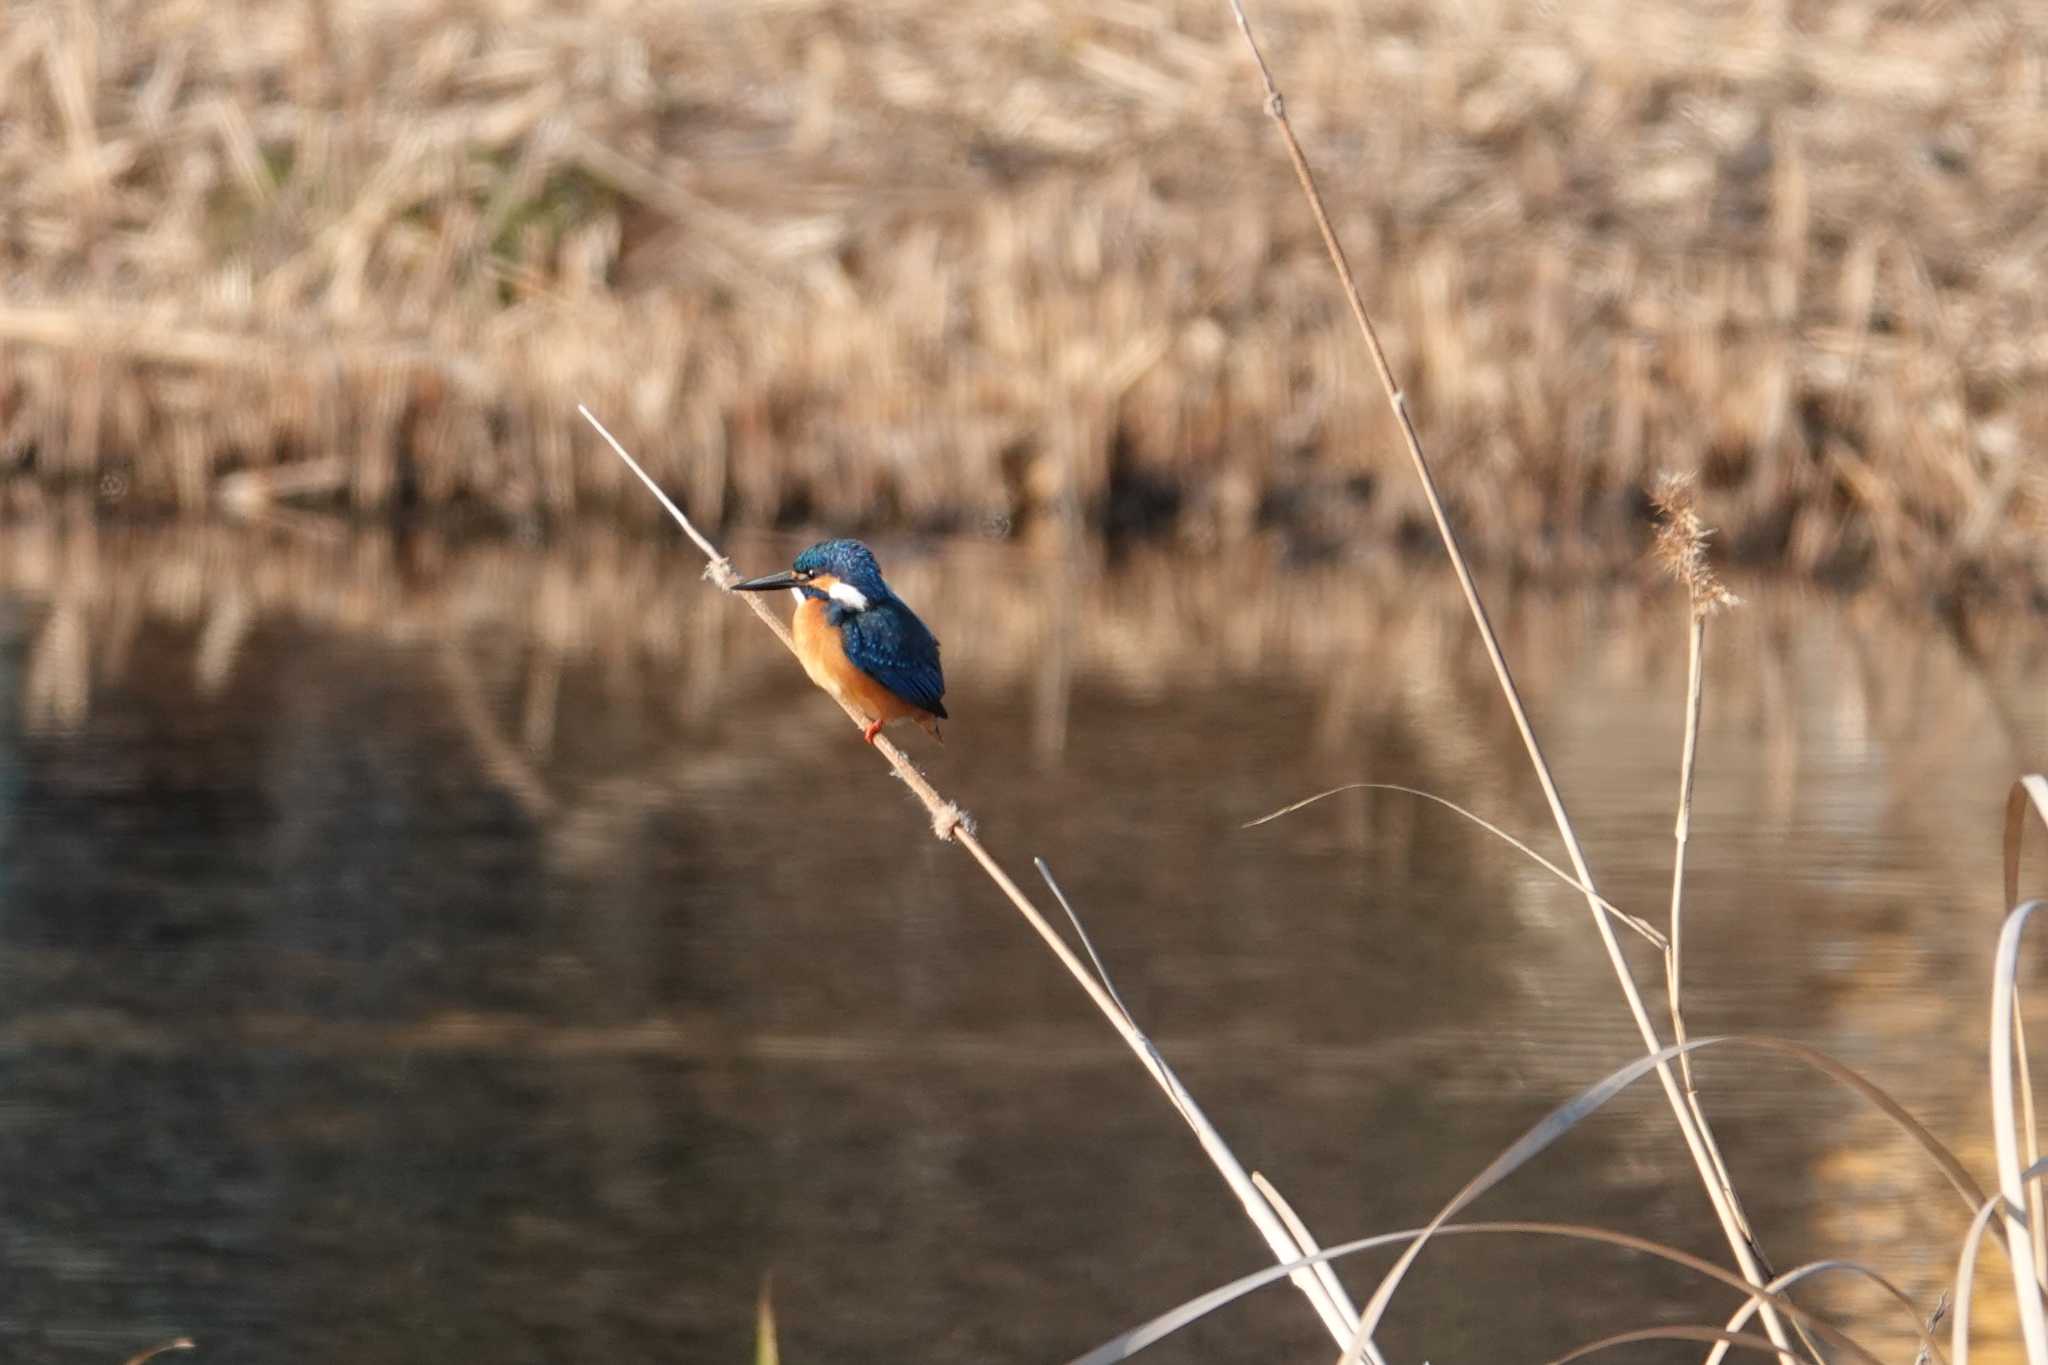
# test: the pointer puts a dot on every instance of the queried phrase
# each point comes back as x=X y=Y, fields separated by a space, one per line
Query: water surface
x=420 y=951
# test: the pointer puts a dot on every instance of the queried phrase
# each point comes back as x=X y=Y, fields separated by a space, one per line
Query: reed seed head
x=1681 y=545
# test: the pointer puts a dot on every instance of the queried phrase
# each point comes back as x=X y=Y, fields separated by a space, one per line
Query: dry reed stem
x=1985 y=1217
x=1563 y=1119
x=952 y=825
x=1642 y=928
x=1166 y=1324
x=1681 y=546
x=1779 y=1286
x=1681 y=830
x=767 y=1350
x=176 y=1344
x=1930 y=1355
x=1303 y=1238
x=2031 y=788
x=1966 y=1276
x=1725 y=1205
x=2008 y=1054
x=1713 y=1335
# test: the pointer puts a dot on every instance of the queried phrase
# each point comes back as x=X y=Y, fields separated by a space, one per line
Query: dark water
x=422 y=953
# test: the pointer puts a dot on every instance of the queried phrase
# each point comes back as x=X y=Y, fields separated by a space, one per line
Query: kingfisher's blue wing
x=889 y=644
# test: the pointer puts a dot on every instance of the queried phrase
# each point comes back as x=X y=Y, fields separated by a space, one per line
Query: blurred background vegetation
x=916 y=265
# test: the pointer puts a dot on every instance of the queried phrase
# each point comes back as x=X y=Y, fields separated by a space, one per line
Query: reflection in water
x=419 y=950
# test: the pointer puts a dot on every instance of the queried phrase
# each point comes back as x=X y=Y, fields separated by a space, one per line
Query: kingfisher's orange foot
x=873 y=728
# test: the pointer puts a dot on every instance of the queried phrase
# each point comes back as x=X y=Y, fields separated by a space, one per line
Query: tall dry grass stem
x=1681 y=546
x=2020 y=1196
x=1726 y=1207
x=1325 y=1272
x=2033 y=789
x=952 y=825
x=2007 y=1053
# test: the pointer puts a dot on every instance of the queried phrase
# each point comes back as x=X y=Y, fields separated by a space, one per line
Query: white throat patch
x=848 y=596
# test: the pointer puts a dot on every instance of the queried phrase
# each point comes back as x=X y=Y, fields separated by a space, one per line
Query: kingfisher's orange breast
x=823 y=653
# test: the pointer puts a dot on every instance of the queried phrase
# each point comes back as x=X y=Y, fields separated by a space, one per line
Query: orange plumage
x=823 y=653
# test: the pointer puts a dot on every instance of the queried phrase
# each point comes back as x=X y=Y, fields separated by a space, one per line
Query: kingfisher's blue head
x=841 y=571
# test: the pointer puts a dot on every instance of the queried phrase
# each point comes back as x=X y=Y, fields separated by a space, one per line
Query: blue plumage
x=889 y=644
x=882 y=636
x=849 y=561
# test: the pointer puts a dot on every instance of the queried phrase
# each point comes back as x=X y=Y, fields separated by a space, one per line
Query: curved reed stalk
x=951 y=824
x=1641 y=927
x=1721 y=1340
x=1727 y=1208
x=1966 y=1275
x=1554 y=1126
x=179 y=1344
x=1149 y=1334
x=1928 y=1349
x=2006 y=1129
x=2031 y=788
x=1966 y=1260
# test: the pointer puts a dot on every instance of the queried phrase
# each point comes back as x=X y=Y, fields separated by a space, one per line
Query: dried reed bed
x=920 y=264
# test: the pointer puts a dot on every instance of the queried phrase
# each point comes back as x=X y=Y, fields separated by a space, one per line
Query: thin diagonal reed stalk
x=951 y=824
x=1726 y=1207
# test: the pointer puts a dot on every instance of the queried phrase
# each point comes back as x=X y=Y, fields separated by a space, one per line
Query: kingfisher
x=858 y=640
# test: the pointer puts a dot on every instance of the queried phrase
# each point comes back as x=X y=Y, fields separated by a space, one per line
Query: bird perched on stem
x=858 y=640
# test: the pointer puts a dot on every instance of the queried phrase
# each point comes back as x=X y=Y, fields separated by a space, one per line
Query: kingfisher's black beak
x=769 y=583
